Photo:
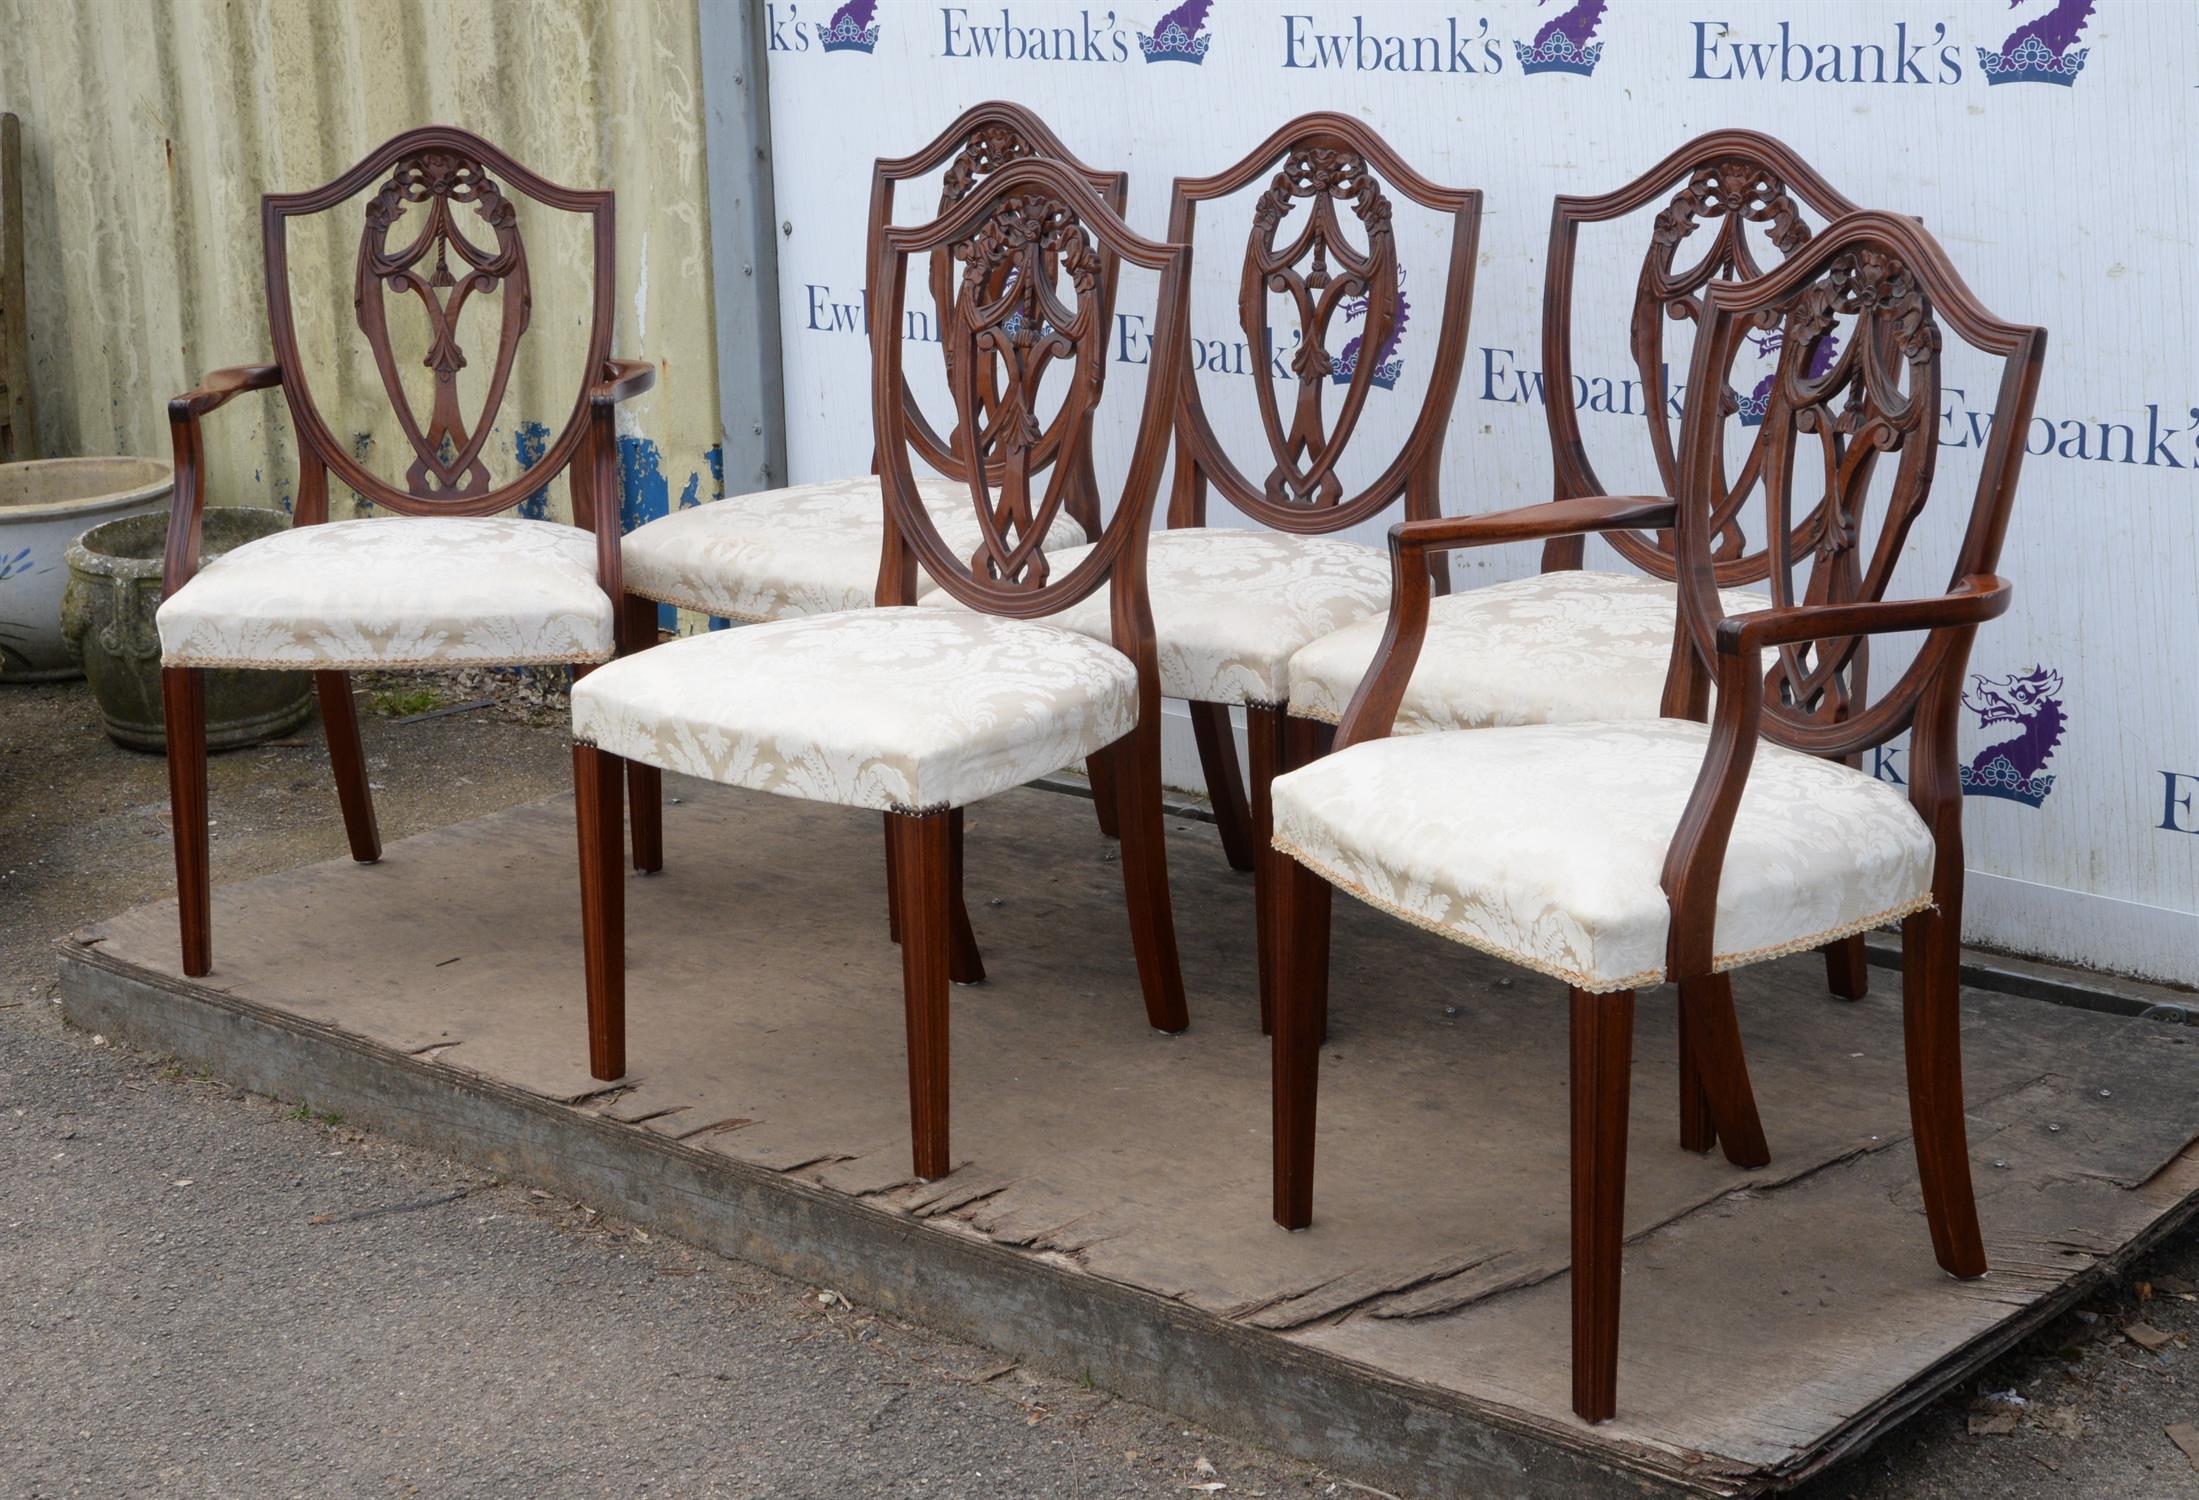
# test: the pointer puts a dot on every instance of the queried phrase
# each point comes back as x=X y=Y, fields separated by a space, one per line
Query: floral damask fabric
x=905 y=709
x=401 y=592
x=809 y=550
x=1545 y=844
x=1555 y=648
x=1232 y=605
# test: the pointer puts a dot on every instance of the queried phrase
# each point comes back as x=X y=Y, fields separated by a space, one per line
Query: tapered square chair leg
x=922 y=870
x=1137 y=778
x=1715 y=1068
x=1603 y=1058
x=1302 y=901
x=1931 y=1004
x=1848 y=968
x=183 y=706
x=347 y=759
x=1225 y=787
x=596 y=804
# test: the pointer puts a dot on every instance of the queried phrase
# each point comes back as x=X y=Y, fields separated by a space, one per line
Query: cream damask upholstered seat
x=1231 y=606
x=806 y=550
x=1545 y=844
x=412 y=592
x=1555 y=648
x=907 y=710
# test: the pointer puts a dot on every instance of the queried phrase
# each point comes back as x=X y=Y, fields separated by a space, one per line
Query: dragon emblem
x=2015 y=766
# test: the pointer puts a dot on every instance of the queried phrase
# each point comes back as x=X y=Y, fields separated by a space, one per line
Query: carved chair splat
x=1821 y=848
x=443 y=585
x=955 y=705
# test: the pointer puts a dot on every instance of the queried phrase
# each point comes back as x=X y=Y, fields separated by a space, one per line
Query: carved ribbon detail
x=444 y=268
x=1320 y=271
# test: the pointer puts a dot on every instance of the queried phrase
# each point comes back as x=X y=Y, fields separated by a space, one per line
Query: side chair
x=915 y=712
x=1572 y=642
x=1618 y=854
x=1232 y=604
x=450 y=582
x=813 y=548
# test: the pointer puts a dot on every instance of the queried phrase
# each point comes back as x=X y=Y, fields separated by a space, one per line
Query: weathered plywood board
x=1773 y=1318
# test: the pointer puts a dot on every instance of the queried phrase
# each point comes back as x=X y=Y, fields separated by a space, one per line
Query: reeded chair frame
x=443 y=168
x=1879 y=397
x=1016 y=234
x=1324 y=160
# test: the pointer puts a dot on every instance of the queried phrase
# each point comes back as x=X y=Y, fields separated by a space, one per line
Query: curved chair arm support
x=596 y=504
x=181 y=560
x=1695 y=861
x=1373 y=708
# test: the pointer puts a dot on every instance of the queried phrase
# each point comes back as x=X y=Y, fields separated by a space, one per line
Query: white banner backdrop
x=2050 y=146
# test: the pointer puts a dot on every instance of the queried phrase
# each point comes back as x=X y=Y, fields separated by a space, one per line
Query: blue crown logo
x=1557 y=54
x=852 y=29
x=1389 y=365
x=1180 y=36
x=2032 y=61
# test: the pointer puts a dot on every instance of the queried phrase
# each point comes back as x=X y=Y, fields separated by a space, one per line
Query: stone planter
x=45 y=505
x=107 y=617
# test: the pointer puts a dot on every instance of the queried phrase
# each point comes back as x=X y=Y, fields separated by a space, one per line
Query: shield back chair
x=918 y=712
x=1577 y=643
x=814 y=548
x=448 y=583
x=1620 y=854
x=1233 y=604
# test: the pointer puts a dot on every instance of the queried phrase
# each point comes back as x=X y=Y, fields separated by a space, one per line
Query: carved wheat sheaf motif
x=1011 y=323
x=445 y=268
x=1320 y=271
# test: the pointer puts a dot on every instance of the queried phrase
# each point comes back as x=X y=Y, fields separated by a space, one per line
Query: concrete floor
x=212 y=1290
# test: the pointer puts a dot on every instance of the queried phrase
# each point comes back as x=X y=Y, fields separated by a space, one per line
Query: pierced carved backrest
x=982 y=141
x=1735 y=207
x=1877 y=290
x=442 y=230
x=1028 y=334
x=1322 y=239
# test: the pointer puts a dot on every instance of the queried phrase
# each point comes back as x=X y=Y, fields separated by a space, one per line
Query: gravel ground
x=214 y=1293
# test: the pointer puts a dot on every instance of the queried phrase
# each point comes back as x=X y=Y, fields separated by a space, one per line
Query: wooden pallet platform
x=1109 y=1213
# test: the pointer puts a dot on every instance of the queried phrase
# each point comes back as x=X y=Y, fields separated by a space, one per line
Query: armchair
x=452 y=583
x=1619 y=854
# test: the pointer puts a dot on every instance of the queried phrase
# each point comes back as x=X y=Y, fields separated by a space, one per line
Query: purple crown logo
x=852 y=28
x=1563 y=45
x=2015 y=768
x=1751 y=407
x=1387 y=366
x=2045 y=51
x=1180 y=36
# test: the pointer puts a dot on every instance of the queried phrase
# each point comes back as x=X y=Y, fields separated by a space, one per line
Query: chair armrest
x=1695 y=860
x=181 y=560
x=1529 y=523
x=1976 y=599
x=1373 y=708
x=623 y=379
x=216 y=389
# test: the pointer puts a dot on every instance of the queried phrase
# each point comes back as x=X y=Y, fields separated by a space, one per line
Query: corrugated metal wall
x=152 y=127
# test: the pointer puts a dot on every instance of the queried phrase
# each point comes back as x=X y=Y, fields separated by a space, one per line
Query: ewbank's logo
x=1563 y=45
x=1180 y=36
x=2043 y=50
x=1387 y=366
x=1752 y=406
x=852 y=28
x=2015 y=767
